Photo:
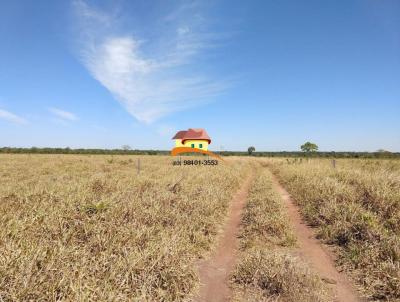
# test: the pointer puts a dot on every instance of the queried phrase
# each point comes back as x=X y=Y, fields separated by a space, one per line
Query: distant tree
x=250 y=150
x=126 y=147
x=309 y=147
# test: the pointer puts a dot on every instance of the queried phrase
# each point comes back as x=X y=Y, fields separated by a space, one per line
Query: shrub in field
x=272 y=274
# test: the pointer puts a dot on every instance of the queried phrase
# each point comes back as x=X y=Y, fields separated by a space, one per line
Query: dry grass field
x=80 y=228
x=356 y=208
x=268 y=269
x=89 y=228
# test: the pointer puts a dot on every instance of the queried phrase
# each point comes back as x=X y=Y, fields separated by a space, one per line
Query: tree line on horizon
x=309 y=149
x=250 y=152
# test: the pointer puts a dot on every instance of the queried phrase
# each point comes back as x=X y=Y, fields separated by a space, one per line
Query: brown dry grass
x=87 y=228
x=267 y=269
x=356 y=207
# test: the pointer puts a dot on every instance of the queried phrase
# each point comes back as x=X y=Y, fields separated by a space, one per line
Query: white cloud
x=11 y=117
x=183 y=30
x=90 y=14
x=65 y=115
x=149 y=85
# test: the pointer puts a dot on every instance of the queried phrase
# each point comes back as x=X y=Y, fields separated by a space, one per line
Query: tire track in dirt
x=215 y=271
x=313 y=252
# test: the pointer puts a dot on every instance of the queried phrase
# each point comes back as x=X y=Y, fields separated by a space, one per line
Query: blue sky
x=273 y=74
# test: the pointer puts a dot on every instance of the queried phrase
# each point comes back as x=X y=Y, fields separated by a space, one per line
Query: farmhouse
x=193 y=138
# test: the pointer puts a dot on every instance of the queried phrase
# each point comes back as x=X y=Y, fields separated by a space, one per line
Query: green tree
x=250 y=150
x=309 y=147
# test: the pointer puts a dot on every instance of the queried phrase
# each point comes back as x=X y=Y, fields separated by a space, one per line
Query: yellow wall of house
x=178 y=143
x=197 y=143
x=188 y=143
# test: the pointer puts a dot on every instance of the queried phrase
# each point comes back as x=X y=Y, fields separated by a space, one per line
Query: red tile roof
x=179 y=134
x=192 y=134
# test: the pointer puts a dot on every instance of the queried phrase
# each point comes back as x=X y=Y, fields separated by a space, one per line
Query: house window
x=192 y=145
x=200 y=145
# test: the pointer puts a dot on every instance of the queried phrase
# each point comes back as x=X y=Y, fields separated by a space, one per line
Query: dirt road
x=313 y=252
x=214 y=272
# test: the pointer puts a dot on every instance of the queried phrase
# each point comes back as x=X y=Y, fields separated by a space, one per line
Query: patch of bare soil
x=214 y=272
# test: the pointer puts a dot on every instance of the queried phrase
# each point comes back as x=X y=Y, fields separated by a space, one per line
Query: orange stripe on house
x=180 y=150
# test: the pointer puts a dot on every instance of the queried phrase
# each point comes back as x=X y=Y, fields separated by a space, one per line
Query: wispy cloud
x=149 y=84
x=64 y=115
x=11 y=117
